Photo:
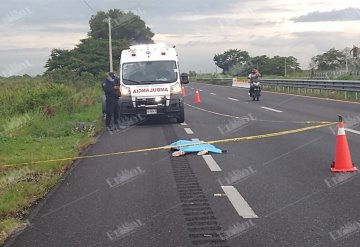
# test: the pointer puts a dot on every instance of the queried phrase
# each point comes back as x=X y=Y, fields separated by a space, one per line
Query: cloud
x=171 y=8
x=63 y=27
x=322 y=41
x=223 y=20
x=23 y=61
x=31 y=25
x=198 y=28
x=348 y=14
x=275 y=9
x=302 y=45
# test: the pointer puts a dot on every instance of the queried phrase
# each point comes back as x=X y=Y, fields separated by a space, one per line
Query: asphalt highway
x=275 y=191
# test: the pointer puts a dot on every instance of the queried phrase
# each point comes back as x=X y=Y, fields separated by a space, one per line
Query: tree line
x=237 y=62
x=91 y=55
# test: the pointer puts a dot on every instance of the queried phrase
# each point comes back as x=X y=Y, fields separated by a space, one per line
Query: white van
x=150 y=82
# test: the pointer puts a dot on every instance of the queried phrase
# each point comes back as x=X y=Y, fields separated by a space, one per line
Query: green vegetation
x=125 y=26
x=329 y=60
x=41 y=120
x=239 y=63
x=56 y=115
x=92 y=54
x=230 y=58
x=329 y=65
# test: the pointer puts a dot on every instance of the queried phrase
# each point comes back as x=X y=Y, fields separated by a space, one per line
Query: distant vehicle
x=150 y=82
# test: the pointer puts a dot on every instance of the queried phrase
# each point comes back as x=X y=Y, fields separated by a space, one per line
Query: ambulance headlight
x=125 y=91
x=175 y=89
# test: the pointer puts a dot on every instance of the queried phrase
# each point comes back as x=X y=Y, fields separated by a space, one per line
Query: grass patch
x=39 y=121
x=10 y=225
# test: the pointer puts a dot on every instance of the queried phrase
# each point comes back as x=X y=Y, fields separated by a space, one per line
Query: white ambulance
x=150 y=82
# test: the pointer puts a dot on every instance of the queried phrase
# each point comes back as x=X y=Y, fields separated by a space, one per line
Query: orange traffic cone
x=183 y=91
x=197 y=97
x=343 y=162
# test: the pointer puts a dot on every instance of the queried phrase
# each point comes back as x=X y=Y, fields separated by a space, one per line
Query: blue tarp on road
x=194 y=146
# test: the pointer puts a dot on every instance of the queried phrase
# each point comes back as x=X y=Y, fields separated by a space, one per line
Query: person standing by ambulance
x=112 y=92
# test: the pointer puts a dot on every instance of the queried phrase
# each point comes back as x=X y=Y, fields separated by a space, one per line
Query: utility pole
x=285 y=67
x=110 y=46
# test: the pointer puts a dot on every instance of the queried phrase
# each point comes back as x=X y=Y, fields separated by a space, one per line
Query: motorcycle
x=256 y=91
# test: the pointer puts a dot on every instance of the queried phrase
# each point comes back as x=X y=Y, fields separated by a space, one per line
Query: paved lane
x=264 y=192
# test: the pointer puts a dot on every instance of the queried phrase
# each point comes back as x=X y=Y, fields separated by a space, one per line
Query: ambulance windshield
x=149 y=72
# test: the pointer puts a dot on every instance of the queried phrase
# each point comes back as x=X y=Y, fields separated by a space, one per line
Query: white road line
x=239 y=203
x=270 y=109
x=233 y=99
x=188 y=131
x=183 y=124
x=213 y=93
x=214 y=167
x=353 y=131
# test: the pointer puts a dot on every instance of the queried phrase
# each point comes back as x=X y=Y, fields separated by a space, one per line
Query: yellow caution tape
x=282 y=133
x=237 y=139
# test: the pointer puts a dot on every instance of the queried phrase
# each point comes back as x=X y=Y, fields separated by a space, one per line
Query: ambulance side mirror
x=184 y=78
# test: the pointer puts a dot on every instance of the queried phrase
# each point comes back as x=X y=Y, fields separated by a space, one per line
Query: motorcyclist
x=111 y=89
x=253 y=78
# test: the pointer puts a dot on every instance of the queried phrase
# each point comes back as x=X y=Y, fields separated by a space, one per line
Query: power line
x=89 y=6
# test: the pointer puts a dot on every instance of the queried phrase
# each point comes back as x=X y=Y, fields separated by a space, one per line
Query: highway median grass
x=40 y=121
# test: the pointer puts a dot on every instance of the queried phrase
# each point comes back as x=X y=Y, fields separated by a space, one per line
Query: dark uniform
x=112 y=98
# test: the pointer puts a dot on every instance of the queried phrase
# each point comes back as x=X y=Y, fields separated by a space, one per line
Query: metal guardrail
x=215 y=79
x=339 y=85
x=349 y=86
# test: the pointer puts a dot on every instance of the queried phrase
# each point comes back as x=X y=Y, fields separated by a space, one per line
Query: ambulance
x=150 y=82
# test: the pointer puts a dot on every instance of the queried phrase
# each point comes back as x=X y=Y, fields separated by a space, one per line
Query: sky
x=30 y=29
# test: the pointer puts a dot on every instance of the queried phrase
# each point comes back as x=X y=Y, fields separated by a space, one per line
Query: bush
x=20 y=95
x=343 y=77
x=72 y=78
x=192 y=73
x=32 y=97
